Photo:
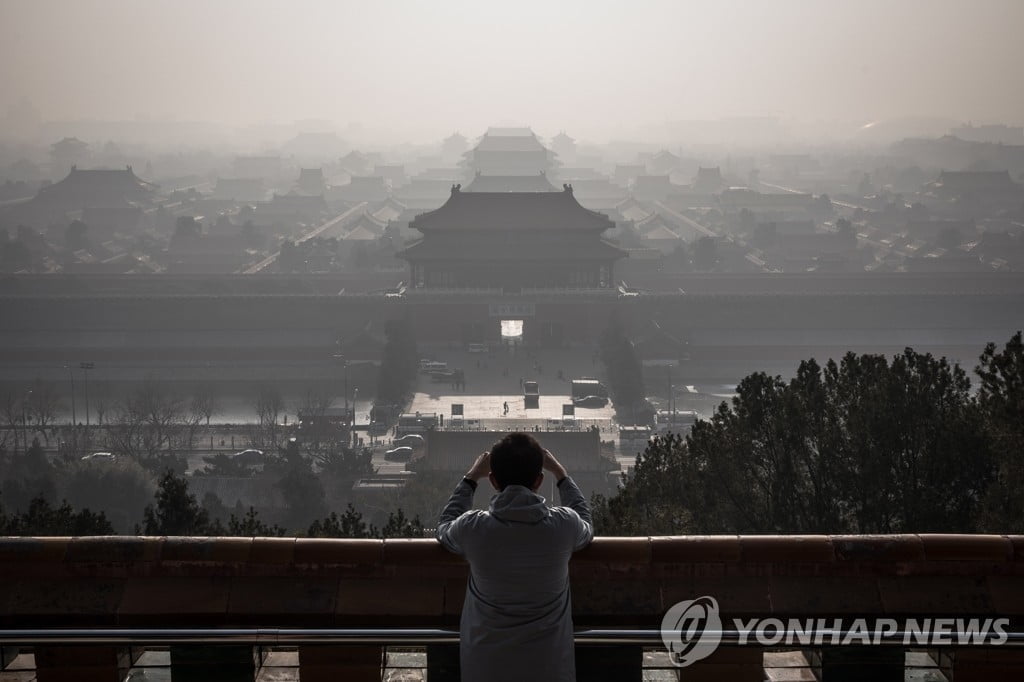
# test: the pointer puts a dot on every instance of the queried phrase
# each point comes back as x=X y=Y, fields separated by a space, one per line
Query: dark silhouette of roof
x=512 y=212
x=509 y=132
x=968 y=181
x=96 y=188
x=448 y=246
x=493 y=143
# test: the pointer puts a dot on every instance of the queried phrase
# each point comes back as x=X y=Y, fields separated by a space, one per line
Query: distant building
x=994 y=134
x=632 y=210
x=393 y=173
x=653 y=187
x=454 y=146
x=663 y=163
x=599 y=194
x=311 y=182
x=204 y=253
x=659 y=233
x=424 y=192
x=737 y=198
x=97 y=188
x=564 y=146
x=708 y=180
x=625 y=173
x=239 y=189
x=509 y=151
x=81 y=190
x=360 y=188
x=511 y=240
x=266 y=167
x=104 y=221
x=316 y=147
x=978 y=184
x=537 y=182
x=356 y=163
x=390 y=209
x=66 y=153
x=292 y=208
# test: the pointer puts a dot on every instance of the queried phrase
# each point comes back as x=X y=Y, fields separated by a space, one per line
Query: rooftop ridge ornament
x=566 y=187
x=456 y=188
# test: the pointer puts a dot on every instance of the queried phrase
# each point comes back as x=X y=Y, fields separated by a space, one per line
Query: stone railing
x=276 y=584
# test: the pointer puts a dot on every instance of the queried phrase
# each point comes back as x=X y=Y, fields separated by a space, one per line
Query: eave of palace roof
x=512 y=212
x=518 y=249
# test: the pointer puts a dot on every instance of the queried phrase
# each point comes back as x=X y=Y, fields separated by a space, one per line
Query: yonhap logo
x=692 y=630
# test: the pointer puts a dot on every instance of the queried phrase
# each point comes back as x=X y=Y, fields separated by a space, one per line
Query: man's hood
x=519 y=503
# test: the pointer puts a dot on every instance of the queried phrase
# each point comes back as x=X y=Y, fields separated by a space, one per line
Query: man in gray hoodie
x=517 y=616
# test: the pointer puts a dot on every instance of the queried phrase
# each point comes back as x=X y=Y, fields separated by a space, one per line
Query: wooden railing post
x=858 y=663
x=443 y=663
x=977 y=664
x=7 y=655
x=82 y=663
x=619 y=663
x=725 y=663
x=330 y=663
x=223 y=662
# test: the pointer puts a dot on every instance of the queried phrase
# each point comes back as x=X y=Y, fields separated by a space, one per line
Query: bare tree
x=124 y=429
x=101 y=405
x=313 y=409
x=147 y=421
x=269 y=404
x=205 y=402
x=42 y=405
x=12 y=413
x=202 y=406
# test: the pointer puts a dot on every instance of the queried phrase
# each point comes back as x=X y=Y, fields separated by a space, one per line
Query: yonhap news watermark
x=692 y=630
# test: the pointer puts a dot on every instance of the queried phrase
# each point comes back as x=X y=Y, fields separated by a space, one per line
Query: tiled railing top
x=627 y=582
x=841 y=550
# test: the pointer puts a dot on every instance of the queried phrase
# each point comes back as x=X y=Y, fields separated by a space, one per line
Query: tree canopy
x=865 y=445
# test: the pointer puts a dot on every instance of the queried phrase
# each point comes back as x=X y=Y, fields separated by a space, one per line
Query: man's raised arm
x=459 y=503
x=572 y=497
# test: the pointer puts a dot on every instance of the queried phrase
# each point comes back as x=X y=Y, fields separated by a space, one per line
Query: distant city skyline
x=601 y=70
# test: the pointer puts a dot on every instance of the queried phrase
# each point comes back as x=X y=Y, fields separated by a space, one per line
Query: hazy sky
x=593 y=68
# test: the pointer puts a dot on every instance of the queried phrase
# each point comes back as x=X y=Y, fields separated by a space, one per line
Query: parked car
x=413 y=440
x=100 y=457
x=249 y=457
x=399 y=454
x=429 y=366
x=440 y=375
x=590 y=401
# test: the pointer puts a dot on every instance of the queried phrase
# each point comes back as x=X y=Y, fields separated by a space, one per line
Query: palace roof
x=511 y=183
x=512 y=212
x=450 y=247
x=96 y=188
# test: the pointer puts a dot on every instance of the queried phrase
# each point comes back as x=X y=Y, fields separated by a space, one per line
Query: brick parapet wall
x=622 y=582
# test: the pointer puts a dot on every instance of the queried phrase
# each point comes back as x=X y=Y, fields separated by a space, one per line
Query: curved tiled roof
x=505 y=211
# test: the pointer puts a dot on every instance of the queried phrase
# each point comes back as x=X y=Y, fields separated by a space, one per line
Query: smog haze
x=421 y=70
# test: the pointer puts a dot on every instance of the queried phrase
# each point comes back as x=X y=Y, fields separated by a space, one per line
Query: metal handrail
x=420 y=636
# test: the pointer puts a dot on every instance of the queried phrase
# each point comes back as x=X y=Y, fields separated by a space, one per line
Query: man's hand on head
x=554 y=466
x=481 y=467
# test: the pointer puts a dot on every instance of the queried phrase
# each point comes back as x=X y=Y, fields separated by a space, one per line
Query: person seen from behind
x=517 y=616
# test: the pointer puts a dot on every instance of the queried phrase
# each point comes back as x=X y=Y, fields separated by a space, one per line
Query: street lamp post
x=86 y=366
x=24 y=419
x=74 y=417
x=344 y=364
x=352 y=420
